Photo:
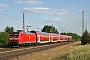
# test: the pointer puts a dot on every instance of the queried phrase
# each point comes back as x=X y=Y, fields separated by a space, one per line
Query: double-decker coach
x=42 y=37
x=54 y=37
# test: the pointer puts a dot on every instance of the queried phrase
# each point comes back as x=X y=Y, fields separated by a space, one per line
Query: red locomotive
x=35 y=37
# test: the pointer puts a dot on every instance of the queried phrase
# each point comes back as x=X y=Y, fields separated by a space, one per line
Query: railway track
x=8 y=53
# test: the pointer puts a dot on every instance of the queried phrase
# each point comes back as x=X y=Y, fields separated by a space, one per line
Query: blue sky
x=66 y=14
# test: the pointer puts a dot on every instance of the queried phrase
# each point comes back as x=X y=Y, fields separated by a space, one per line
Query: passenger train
x=20 y=38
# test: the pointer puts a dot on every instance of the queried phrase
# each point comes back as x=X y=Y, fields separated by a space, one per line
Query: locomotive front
x=13 y=38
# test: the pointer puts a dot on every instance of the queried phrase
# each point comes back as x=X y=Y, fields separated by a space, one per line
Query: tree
x=9 y=29
x=63 y=33
x=4 y=38
x=49 y=29
x=85 y=38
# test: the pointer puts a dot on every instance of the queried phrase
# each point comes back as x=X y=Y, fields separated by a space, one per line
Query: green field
x=82 y=52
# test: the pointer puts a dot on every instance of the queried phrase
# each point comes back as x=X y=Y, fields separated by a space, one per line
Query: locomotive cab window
x=14 y=34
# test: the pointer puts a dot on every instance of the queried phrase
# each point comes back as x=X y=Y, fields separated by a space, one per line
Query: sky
x=64 y=15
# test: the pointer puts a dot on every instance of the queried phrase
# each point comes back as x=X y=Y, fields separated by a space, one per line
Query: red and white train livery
x=35 y=37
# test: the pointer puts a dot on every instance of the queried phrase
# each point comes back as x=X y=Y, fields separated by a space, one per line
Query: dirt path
x=50 y=54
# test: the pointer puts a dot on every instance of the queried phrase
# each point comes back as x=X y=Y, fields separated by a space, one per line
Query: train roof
x=44 y=33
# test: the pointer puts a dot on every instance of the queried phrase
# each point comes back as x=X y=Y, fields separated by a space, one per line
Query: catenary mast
x=23 y=24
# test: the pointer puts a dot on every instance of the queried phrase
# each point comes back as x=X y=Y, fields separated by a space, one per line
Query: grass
x=80 y=53
x=57 y=53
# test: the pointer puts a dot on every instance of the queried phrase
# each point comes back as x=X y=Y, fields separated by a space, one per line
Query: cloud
x=29 y=2
x=3 y=6
x=61 y=11
x=75 y=19
x=45 y=18
x=2 y=9
x=87 y=18
x=54 y=19
x=47 y=11
x=35 y=10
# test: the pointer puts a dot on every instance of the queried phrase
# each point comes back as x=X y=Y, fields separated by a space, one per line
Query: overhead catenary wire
x=17 y=14
x=21 y=16
x=35 y=16
x=25 y=14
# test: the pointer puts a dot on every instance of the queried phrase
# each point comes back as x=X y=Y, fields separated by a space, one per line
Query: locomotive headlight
x=10 y=38
x=13 y=38
x=16 y=38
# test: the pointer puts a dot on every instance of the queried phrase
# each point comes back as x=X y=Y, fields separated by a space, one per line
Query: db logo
x=29 y=37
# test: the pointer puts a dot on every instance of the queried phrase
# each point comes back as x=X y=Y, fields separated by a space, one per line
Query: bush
x=3 y=38
x=85 y=38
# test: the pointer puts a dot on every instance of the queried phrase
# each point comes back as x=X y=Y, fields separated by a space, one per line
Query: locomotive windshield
x=14 y=34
